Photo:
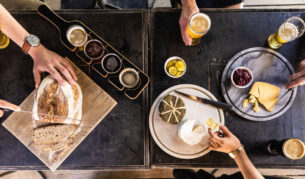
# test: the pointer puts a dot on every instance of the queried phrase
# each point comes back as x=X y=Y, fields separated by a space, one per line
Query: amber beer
x=290 y=148
x=4 y=41
x=198 y=26
x=77 y=35
x=291 y=29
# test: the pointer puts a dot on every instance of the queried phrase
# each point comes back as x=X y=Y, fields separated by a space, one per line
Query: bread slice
x=52 y=133
x=54 y=146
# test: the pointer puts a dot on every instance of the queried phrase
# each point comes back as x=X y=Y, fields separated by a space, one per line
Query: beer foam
x=200 y=23
x=294 y=149
x=288 y=32
x=77 y=35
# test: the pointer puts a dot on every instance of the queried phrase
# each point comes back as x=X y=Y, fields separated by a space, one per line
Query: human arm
x=44 y=59
x=189 y=7
x=7 y=105
x=228 y=143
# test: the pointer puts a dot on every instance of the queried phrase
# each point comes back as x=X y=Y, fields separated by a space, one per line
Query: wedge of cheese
x=266 y=94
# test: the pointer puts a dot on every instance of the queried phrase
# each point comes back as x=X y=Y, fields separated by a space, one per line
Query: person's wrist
x=34 y=51
x=235 y=153
x=191 y=5
x=188 y=3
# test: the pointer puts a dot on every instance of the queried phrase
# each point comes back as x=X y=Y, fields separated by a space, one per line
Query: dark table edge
x=224 y=166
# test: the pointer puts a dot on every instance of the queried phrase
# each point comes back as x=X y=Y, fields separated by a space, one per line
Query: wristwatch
x=234 y=153
x=30 y=41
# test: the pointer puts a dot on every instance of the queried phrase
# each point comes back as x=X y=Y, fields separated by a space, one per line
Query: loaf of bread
x=58 y=104
x=52 y=134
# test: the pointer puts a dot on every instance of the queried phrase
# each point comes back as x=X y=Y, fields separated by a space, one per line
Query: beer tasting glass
x=290 y=148
x=77 y=36
x=4 y=41
x=291 y=29
x=198 y=26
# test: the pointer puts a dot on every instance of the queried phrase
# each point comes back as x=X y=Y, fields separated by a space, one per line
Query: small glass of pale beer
x=291 y=29
x=290 y=148
x=198 y=26
x=4 y=41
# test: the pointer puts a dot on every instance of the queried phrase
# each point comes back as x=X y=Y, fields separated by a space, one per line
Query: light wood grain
x=96 y=105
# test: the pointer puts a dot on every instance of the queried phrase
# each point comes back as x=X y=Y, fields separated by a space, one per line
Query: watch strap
x=26 y=47
x=234 y=153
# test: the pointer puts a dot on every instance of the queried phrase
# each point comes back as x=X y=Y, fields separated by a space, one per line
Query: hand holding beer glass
x=291 y=29
x=198 y=26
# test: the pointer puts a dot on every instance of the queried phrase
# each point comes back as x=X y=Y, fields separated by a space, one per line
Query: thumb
x=37 y=78
x=225 y=130
x=1 y=113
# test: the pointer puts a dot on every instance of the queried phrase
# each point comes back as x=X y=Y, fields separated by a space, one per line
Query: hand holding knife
x=217 y=104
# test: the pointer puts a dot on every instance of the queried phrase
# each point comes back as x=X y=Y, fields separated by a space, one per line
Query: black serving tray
x=63 y=25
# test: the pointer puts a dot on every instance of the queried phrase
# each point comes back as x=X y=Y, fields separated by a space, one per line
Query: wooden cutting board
x=96 y=105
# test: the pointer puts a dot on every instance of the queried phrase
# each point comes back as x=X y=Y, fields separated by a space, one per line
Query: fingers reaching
x=297 y=82
x=225 y=130
x=7 y=105
x=186 y=39
x=36 y=77
x=1 y=113
x=69 y=67
x=57 y=76
x=65 y=73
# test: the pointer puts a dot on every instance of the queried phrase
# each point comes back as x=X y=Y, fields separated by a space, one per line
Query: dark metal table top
x=118 y=141
x=231 y=31
x=121 y=140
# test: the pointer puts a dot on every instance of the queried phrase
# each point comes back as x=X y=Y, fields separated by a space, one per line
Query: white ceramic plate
x=166 y=134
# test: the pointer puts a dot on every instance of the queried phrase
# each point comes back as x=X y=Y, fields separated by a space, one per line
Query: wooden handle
x=52 y=17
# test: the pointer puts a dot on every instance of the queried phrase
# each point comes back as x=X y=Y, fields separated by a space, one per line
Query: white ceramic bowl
x=244 y=68
x=170 y=59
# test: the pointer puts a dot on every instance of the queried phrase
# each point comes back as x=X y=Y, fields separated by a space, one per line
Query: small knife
x=41 y=114
x=217 y=104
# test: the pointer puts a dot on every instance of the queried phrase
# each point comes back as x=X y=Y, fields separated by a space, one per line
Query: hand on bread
x=228 y=143
x=48 y=61
x=298 y=78
x=7 y=105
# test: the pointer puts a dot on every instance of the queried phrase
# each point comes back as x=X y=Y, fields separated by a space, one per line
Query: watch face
x=33 y=40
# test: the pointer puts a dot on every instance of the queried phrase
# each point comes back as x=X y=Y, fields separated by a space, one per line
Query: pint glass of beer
x=290 y=148
x=291 y=29
x=4 y=41
x=198 y=26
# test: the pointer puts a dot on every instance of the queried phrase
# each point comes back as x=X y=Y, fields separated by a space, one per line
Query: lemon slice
x=180 y=66
x=178 y=74
x=171 y=63
x=172 y=70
